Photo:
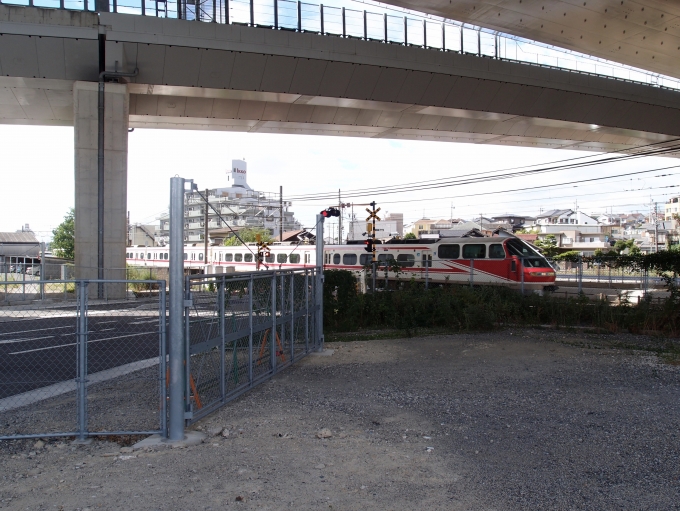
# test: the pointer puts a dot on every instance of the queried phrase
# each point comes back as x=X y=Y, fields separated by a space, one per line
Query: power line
x=480 y=177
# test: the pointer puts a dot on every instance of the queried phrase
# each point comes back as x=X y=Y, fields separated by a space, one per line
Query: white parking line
x=73 y=344
x=36 y=330
x=12 y=341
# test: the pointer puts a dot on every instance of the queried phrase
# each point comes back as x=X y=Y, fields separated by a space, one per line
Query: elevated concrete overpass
x=640 y=33
x=194 y=75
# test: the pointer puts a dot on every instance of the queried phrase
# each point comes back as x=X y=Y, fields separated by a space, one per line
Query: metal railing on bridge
x=410 y=29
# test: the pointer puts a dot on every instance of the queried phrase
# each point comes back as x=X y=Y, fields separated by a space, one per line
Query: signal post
x=370 y=242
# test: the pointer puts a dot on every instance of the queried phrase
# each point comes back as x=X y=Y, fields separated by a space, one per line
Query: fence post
x=299 y=13
x=306 y=310
x=272 y=340
x=318 y=295
x=42 y=271
x=427 y=273
x=424 y=34
x=283 y=310
x=252 y=12
x=479 y=43
x=162 y=317
x=323 y=32
x=521 y=272
x=292 y=317
x=365 y=28
x=250 y=326
x=472 y=272
x=176 y=284
x=461 y=40
x=221 y=287
x=405 y=31
x=81 y=289
x=276 y=14
x=226 y=12
x=443 y=36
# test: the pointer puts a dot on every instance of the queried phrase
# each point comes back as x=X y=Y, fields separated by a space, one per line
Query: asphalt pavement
x=41 y=349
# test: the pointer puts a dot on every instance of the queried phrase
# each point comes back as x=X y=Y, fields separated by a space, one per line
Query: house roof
x=554 y=212
x=18 y=237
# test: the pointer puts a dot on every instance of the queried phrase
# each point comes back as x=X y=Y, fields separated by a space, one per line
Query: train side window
x=185 y=256
x=474 y=251
x=167 y=256
x=228 y=258
x=200 y=257
x=219 y=257
x=148 y=256
x=281 y=258
x=141 y=256
x=238 y=257
x=294 y=258
x=365 y=259
x=496 y=251
x=449 y=251
x=336 y=258
x=269 y=258
x=306 y=258
x=406 y=260
x=248 y=258
x=385 y=257
x=513 y=265
x=349 y=259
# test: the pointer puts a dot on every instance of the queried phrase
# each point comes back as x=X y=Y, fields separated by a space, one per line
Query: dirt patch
x=521 y=419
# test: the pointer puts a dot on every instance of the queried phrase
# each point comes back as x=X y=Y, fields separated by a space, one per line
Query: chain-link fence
x=23 y=283
x=241 y=329
x=83 y=365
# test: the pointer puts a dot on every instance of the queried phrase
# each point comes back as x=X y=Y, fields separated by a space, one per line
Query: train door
x=425 y=261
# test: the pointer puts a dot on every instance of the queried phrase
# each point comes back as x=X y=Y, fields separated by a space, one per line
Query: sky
x=38 y=172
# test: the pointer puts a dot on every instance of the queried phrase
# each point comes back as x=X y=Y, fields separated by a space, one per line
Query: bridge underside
x=50 y=102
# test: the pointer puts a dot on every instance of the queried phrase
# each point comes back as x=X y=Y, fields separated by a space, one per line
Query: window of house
x=474 y=251
x=294 y=258
x=349 y=259
x=248 y=258
x=281 y=258
x=449 y=251
x=238 y=258
x=496 y=251
x=336 y=258
x=406 y=260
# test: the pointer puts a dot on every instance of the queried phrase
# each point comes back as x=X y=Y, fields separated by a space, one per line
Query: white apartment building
x=574 y=230
x=672 y=207
x=239 y=206
x=392 y=224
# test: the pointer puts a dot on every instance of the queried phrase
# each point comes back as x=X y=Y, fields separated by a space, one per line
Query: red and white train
x=486 y=261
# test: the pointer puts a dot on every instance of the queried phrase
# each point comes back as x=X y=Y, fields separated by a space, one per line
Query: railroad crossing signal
x=329 y=212
x=369 y=247
x=373 y=215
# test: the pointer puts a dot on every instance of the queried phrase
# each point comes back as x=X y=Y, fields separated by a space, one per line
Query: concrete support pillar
x=117 y=100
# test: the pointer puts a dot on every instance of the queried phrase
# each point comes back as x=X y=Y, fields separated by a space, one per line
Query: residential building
x=573 y=230
x=18 y=248
x=672 y=207
x=391 y=225
x=238 y=205
x=142 y=235
x=516 y=222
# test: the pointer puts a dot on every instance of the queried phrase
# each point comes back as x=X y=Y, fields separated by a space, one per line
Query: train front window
x=530 y=258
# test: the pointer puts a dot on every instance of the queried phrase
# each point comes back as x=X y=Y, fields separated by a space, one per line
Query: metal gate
x=241 y=329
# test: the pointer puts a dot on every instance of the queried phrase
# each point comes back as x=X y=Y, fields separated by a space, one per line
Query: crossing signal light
x=329 y=212
x=368 y=245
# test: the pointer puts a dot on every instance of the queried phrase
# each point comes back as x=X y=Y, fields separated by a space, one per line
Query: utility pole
x=656 y=227
x=281 y=213
x=205 y=230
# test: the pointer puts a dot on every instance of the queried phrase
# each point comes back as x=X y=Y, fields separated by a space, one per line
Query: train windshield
x=530 y=257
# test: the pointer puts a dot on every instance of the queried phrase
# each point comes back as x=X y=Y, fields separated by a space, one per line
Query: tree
x=629 y=245
x=64 y=237
x=548 y=245
x=410 y=236
x=249 y=236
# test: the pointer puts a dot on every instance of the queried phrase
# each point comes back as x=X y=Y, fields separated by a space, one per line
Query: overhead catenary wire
x=484 y=176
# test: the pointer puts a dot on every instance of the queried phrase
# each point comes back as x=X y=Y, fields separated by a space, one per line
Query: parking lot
x=519 y=419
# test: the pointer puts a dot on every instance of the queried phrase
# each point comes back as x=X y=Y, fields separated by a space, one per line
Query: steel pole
x=81 y=289
x=318 y=337
x=176 y=281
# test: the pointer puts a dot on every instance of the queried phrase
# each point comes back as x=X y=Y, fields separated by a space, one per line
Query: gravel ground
x=513 y=420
